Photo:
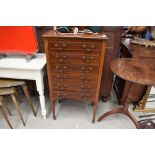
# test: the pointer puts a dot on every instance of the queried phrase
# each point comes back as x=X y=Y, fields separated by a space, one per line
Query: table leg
x=40 y=89
x=42 y=103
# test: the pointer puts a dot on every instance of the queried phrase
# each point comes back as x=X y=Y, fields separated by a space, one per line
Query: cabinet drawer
x=74 y=95
x=74 y=87
x=73 y=58
x=74 y=46
x=80 y=68
x=85 y=78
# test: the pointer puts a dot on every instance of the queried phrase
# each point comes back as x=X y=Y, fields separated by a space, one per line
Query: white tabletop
x=19 y=62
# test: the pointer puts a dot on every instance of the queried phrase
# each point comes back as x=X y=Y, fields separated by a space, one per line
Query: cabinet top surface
x=56 y=34
x=135 y=70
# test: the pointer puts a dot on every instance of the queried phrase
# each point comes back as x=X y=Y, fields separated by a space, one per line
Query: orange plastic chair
x=18 y=40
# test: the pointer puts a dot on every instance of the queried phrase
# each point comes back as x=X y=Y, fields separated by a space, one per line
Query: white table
x=16 y=67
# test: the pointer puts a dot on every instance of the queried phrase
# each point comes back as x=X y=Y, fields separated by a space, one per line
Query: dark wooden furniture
x=74 y=64
x=135 y=71
x=121 y=86
x=40 y=30
x=112 y=49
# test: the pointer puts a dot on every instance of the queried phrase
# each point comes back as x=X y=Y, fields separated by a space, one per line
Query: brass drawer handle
x=61 y=79
x=86 y=80
x=64 y=45
x=57 y=56
x=57 y=67
x=90 y=68
x=88 y=50
x=87 y=60
x=55 y=45
x=58 y=76
x=65 y=67
x=61 y=87
x=60 y=60
x=83 y=57
x=85 y=87
x=82 y=78
x=91 y=58
x=84 y=45
x=83 y=68
x=64 y=94
x=58 y=94
x=64 y=77
x=58 y=85
x=64 y=57
x=92 y=46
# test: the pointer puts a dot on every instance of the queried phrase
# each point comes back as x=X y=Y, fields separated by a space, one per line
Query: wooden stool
x=8 y=87
x=12 y=91
x=135 y=71
x=6 y=83
x=4 y=113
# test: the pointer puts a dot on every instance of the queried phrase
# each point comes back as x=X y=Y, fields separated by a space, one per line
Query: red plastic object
x=17 y=40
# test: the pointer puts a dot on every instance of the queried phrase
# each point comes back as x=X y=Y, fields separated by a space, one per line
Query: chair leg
x=26 y=92
x=17 y=107
x=5 y=116
x=17 y=94
x=7 y=109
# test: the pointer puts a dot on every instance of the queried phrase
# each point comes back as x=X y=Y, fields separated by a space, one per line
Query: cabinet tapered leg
x=94 y=111
x=53 y=109
x=59 y=101
x=104 y=99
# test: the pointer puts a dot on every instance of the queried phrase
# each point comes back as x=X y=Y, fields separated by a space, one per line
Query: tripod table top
x=140 y=71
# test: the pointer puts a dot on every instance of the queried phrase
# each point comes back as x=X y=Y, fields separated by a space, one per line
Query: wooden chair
x=8 y=87
x=4 y=113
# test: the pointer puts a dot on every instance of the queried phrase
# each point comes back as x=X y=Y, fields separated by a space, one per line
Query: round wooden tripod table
x=135 y=71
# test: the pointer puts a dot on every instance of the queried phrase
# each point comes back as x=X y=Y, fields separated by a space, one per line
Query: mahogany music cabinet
x=74 y=64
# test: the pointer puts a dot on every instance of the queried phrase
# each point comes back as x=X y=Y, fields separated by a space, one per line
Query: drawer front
x=73 y=58
x=84 y=78
x=66 y=68
x=74 y=87
x=74 y=95
x=80 y=47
